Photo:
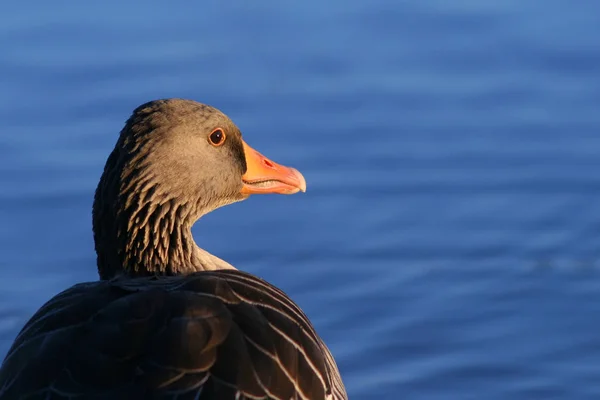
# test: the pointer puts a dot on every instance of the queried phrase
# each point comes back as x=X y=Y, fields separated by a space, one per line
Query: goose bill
x=266 y=176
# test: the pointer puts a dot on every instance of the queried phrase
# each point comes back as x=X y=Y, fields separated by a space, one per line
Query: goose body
x=168 y=320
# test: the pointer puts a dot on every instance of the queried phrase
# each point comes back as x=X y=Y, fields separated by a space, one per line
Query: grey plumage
x=168 y=320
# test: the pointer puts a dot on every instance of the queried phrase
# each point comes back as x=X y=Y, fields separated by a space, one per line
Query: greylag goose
x=168 y=320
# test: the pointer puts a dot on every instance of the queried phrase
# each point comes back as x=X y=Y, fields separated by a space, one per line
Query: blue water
x=448 y=245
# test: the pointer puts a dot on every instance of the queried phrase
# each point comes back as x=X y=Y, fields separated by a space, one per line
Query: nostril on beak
x=268 y=163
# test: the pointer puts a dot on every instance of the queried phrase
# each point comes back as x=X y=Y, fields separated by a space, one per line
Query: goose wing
x=210 y=335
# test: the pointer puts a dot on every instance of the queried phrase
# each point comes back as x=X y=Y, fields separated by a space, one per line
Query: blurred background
x=448 y=244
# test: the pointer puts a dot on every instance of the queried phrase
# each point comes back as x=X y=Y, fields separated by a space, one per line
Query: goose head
x=174 y=161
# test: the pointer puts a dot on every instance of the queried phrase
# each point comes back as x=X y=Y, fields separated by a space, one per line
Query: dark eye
x=217 y=137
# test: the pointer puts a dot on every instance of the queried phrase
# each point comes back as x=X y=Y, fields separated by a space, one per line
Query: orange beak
x=265 y=176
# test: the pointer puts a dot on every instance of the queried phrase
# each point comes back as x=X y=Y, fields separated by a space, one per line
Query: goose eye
x=217 y=137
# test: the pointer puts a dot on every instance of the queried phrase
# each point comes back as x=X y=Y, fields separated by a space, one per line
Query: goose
x=167 y=319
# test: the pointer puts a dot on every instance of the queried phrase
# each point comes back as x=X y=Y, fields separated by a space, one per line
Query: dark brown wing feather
x=211 y=335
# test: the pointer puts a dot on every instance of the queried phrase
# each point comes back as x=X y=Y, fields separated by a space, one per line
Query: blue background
x=448 y=244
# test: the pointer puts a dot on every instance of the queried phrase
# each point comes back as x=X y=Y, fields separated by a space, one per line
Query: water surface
x=447 y=247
